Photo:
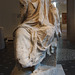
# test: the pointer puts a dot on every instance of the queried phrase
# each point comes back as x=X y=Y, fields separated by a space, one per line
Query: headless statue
x=34 y=37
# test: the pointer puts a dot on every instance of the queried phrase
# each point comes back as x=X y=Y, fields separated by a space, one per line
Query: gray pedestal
x=49 y=70
x=60 y=70
x=41 y=70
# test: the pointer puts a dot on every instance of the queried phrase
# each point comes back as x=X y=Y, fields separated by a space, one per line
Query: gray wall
x=71 y=20
x=9 y=9
x=62 y=7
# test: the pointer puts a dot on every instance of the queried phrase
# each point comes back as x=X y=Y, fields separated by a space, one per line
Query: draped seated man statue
x=36 y=36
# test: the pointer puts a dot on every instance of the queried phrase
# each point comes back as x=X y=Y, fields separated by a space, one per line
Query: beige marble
x=35 y=36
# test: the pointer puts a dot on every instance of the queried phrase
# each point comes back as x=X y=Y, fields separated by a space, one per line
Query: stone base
x=48 y=70
x=60 y=70
x=41 y=70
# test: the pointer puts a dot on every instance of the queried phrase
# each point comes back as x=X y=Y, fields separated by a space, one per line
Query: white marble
x=35 y=36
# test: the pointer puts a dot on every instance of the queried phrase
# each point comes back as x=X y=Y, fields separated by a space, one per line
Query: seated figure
x=37 y=33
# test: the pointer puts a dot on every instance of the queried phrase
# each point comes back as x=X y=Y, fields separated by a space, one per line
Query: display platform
x=41 y=70
x=48 y=70
x=60 y=70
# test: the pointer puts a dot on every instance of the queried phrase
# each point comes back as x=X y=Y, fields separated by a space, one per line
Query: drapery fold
x=35 y=36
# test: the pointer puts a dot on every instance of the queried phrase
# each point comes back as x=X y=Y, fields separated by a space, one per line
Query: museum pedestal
x=41 y=70
x=48 y=70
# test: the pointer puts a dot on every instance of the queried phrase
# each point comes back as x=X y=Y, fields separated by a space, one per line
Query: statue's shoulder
x=18 y=29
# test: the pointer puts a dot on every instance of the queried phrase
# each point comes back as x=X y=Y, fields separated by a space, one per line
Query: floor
x=7 y=61
x=66 y=50
x=66 y=53
x=68 y=66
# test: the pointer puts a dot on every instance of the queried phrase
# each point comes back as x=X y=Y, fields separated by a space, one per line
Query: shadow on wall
x=9 y=9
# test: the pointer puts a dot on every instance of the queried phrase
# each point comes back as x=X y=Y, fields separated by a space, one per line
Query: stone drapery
x=35 y=35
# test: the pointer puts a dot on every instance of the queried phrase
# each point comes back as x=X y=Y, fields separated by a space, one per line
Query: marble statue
x=35 y=37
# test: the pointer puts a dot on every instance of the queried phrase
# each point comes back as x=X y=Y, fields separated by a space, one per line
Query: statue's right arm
x=22 y=45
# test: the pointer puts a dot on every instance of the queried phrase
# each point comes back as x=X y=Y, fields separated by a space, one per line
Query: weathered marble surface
x=37 y=34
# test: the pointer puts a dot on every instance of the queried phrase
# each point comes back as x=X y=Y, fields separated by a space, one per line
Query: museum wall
x=62 y=7
x=71 y=20
x=9 y=9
